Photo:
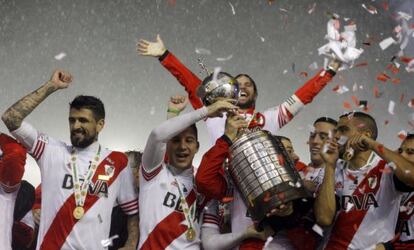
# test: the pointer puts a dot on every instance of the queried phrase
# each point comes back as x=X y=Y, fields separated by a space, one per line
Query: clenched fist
x=60 y=79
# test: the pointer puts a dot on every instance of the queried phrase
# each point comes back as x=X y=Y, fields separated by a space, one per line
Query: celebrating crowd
x=359 y=191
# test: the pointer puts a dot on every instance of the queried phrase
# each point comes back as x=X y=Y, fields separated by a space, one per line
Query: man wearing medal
x=169 y=204
x=81 y=182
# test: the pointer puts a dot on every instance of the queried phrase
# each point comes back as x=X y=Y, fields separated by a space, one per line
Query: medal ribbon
x=189 y=213
x=80 y=190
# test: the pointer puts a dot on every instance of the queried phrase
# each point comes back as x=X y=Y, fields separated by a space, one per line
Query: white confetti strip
x=223 y=59
x=391 y=106
x=312 y=8
x=232 y=9
x=109 y=242
x=60 y=56
x=370 y=9
x=387 y=42
x=342 y=140
x=202 y=51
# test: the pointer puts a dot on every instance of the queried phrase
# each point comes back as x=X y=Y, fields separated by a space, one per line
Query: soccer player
x=12 y=161
x=169 y=204
x=368 y=190
x=273 y=118
x=81 y=182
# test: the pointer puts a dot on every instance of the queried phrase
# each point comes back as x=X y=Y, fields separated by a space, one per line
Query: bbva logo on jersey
x=360 y=202
x=99 y=188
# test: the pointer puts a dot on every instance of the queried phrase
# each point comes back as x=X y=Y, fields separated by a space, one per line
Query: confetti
x=386 y=6
x=285 y=71
x=152 y=110
x=298 y=185
x=312 y=8
x=391 y=106
x=304 y=74
x=340 y=89
x=355 y=87
x=377 y=93
x=223 y=59
x=393 y=68
x=202 y=51
x=283 y=10
x=383 y=77
x=60 y=56
x=355 y=100
x=404 y=15
x=232 y=9
x=347 y=105
x=387 y=42
x=262 y=39
x=363 y=64
x=396 y=80
x=371 y=9
x=316 y=228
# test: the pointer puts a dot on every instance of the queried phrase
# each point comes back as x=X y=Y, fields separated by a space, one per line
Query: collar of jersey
x=372 y=159
x=185 y=173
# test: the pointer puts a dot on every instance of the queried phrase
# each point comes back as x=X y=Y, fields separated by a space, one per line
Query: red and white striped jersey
x=165 y=225
x=112 y=184
x=406 y=214
x=369 y=205
x=12 y=161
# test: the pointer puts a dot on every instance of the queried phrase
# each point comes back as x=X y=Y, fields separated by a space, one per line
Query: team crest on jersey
x=372 y=182
x=339 y=185
x=109 y=170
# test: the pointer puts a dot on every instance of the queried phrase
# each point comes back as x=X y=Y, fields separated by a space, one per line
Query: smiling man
x=81 y=183
x=271 y=119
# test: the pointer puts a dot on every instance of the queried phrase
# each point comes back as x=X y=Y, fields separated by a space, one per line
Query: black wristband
x=164 y=55
x=331 y=71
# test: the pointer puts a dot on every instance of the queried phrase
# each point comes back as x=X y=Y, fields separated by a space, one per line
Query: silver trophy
x=264 y=174
x=218 y=85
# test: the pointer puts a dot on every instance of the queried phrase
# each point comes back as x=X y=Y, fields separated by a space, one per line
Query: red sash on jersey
x=347 y=223
x=169 y=229
x=64 y=221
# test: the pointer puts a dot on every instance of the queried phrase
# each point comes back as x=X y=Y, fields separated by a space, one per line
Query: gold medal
x=190 y=234
x=78 y=213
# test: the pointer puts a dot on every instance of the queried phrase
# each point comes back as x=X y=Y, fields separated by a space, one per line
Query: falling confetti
x=227 y=199
x=60 y=56
x=402 y=134
x=232 y=9
x=347 y=105
x=391 y=106
x=349 y=206
x=383 y=77
x=387 y=42
x=109 y=242
x=371 y=9
x=223 y=59
x=312 y=8
x=202 y=51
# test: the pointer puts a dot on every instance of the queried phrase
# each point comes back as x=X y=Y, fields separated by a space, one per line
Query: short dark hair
x=89 y=102
x=281 y=137
x=368 y=120
x=251 y=79
x=327 y=120
x=410 y=136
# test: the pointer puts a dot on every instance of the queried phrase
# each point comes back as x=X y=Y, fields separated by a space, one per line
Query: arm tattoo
x=14 y=115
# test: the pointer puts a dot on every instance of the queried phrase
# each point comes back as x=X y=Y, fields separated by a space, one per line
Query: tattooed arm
x=14 y=115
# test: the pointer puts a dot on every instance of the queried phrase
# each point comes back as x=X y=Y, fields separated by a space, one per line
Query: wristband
x=174 y=111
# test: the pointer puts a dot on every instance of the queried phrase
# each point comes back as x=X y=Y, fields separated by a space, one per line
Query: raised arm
x=184 y=76
x=283 y=113
x=325 y=203
x=156 y=144
x=404 y=170
x=14 y=116
x=210 y=179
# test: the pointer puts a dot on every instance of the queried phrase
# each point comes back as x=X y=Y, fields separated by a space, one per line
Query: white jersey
x=165 y=225
x=406 y=213
x=7 y=201
x=314 y=174
x=58 y=227
x=369 y=205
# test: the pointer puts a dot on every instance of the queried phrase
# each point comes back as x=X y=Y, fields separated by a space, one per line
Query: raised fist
x=61 y=79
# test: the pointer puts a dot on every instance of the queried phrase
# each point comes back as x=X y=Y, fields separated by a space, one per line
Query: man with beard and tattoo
x=81 y=183
x=361 y=193
x=272 y=119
